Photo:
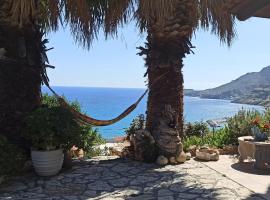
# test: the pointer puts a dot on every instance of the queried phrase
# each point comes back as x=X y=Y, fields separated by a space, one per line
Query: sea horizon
x=106 y=103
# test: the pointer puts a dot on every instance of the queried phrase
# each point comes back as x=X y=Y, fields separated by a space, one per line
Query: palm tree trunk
x=165 y=100
x=20 y=74
x=167 y=44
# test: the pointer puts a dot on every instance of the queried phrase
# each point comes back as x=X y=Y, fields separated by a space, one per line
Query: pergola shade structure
x=244 y=9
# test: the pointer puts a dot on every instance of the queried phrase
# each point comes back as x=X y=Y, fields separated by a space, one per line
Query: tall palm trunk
x=165 y=100
x=167 y=44
x=20 y=74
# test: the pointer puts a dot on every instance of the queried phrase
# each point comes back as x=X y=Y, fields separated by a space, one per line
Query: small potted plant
x=260 y=129
x=49 y=129
x=53 y=130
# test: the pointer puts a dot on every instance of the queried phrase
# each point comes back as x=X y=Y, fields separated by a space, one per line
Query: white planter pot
x=47 y=163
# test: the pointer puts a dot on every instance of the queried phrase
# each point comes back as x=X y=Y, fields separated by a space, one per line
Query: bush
x=53 y=126
x=240 y=124
x=137 y=124
x=12 y=158
x=52 y=101
x=196 y=129
x=219 y=139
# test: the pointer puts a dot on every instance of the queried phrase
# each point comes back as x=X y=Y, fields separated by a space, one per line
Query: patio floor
x=111 y=178
x=257 y=181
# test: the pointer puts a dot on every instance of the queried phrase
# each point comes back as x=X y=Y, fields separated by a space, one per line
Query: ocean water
x=107 y=103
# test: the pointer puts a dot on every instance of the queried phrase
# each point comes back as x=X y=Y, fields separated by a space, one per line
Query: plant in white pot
x=49 y=130
x=53 y=130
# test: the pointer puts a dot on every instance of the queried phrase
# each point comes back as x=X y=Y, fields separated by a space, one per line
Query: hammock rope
x=82 y=118
x=87 y=120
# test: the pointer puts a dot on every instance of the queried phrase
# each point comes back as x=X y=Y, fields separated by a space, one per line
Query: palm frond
x=50 y=14
x=214 y=15
x=87 y=17
x=117 y=13
x=157 y=11
x=23 y=11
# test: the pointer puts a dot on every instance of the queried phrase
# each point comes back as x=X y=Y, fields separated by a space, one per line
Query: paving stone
x=89 y=194
x=119 y=182
x=164 y=192
x=107 y=179
x=100 y=186
x=71 y=198
x=131 y=191
x=165 y=198
x=142 y=197
x=14 y=187
x=142 y=179
x=178 y=188
x=187 y=196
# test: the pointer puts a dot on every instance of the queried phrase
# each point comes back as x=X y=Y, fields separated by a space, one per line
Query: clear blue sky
x=114 y=63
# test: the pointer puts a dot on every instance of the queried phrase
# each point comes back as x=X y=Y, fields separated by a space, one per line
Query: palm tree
x=20 y=71
x=23 y=53
x=169 y=24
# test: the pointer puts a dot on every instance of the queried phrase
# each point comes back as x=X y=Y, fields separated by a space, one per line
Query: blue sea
x=107 y=103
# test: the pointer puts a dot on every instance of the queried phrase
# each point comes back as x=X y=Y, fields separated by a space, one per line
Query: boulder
x=207 y=154
x=192 y=150
x=181 y=158
x=162 y=160
x=188 y=156
x=172 y=160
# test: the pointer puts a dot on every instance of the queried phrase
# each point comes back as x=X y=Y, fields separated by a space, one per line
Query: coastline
x=253 y=102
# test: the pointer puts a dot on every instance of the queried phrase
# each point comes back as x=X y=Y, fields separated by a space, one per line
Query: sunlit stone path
x=110 y=178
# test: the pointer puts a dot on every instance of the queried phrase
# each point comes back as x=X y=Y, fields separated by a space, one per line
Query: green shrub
x=52 y=101
x=196 y=129
x=53 y=126
x=12 y=158
x=240 y=124
x=219 y=139
x=137 y=124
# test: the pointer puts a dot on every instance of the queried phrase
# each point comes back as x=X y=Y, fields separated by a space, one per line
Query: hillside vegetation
x=251 y=88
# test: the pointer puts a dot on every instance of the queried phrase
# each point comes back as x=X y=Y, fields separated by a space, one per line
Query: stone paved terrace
x=110 y=178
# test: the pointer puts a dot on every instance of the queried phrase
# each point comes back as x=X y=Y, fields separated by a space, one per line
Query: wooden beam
x=248 y=8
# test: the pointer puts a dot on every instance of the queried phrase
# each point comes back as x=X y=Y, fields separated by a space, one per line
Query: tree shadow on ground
x=126 y=179
x=266 y=195
x=248 y=167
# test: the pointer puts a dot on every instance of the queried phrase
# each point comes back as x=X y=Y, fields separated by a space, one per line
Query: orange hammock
x=84 y=119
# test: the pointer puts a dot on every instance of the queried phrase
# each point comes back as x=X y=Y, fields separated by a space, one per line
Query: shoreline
x=230 y=100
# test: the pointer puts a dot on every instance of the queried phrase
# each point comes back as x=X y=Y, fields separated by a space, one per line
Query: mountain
x=251 y=88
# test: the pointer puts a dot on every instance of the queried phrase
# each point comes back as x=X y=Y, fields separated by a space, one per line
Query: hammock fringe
x=87 y=120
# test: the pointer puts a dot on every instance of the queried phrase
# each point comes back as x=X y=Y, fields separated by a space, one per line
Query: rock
x=76 y=152
x=142 y=146
x=192 y=150
x=162 y=160
x=188 y=156
x=207 y=154
x=182 y=157
x=214 y=157
x=173 y=161
x=228 y=150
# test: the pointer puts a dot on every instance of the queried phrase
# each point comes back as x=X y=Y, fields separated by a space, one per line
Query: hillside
x=251 y=88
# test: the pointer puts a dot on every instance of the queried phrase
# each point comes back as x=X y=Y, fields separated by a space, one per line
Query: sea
x=107 y=103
